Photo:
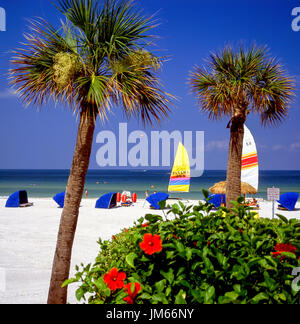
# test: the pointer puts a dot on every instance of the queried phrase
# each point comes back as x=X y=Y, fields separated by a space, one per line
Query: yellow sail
x=181 y=173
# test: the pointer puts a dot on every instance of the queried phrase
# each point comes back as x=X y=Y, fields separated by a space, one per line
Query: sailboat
x=181 y=173
x=250 y=169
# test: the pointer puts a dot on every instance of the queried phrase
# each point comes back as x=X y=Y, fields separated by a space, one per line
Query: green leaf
x=280 y=297
x=153 y=218
x=209 y=294
x=189 y=254
x=160 y=285
x=284 y=219
x=259 y=297
x=162 y=204
x=145 y=296
x=168 y=275
x=130 y=259
x=289 y=255
x=175 y=209
x=180 y=299
x=79 y=294
x=180 y=247
x=232 y=295
x=68 y=282
x=100 y=284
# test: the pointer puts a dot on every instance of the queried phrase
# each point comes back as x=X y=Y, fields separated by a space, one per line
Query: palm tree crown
x=240 y=81
x=94 y=60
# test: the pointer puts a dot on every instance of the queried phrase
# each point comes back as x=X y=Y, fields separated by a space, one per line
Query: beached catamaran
x=181 y=173
x=250 y=170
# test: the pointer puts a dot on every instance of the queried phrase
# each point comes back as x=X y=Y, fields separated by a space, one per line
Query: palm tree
x=234 y=84
x=95 y=61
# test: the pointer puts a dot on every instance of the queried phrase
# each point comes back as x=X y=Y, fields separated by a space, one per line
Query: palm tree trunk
x=234 y=168
x=69 y=218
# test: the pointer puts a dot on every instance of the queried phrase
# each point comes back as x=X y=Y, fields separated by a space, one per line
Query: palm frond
x=136 y=89
x=241 y=80
x=77 y=64
x=33 y=74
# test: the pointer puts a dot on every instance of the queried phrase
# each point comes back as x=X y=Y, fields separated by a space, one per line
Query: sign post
x=273 y=195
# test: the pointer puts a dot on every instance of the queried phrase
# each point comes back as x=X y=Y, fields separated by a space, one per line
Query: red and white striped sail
x=250 y=160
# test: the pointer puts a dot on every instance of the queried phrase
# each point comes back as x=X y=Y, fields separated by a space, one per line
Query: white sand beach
x=28 y=240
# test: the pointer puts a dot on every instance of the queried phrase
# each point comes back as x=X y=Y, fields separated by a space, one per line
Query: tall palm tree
x=95 y=61
x=234 y=84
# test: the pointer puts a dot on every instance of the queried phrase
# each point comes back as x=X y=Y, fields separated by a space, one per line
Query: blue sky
x=189 y=31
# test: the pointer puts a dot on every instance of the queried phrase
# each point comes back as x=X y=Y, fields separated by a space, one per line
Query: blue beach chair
x=288 y=201
x=60 y=199
x=107 y=201
x=18 y=199
x=217 y=200
x=155 y=199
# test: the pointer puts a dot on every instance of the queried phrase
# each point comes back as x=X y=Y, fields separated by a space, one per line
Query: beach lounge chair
x=60 y=199
x=288 y=201
x=18 y=199
x=217 y=200
x=107 y=201
x=127 y=204
x=155 y=199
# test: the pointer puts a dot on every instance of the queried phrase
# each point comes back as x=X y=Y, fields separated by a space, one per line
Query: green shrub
x=223 y=256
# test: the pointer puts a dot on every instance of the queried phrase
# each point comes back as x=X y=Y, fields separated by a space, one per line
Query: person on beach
x=86 y=193
x=146 y=194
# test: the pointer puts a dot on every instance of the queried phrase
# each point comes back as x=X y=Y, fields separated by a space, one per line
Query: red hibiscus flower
x=279 y=248
x=114 y=279
x=285 y=248
x=131 y=295
x=151 y=244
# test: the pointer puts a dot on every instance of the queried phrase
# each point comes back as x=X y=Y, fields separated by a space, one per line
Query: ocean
x=47 y=183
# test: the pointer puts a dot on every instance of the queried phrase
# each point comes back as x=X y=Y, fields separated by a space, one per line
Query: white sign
x=273 y=194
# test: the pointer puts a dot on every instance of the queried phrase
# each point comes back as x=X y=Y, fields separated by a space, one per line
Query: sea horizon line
x=133 y=169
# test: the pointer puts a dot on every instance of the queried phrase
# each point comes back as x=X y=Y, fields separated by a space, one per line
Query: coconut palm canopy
x=220 y=188
x=237 y=81
x=95 y=59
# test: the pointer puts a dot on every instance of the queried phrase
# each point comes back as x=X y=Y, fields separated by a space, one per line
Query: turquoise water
x=46 y=183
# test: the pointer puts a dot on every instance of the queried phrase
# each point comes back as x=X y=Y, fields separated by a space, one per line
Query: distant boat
x=250 y=169
x=181 y=173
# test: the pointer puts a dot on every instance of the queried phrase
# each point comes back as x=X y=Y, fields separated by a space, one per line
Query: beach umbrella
x=220 y=188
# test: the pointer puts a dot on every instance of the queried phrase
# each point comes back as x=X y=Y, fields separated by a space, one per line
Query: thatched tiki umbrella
x=220 y=188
